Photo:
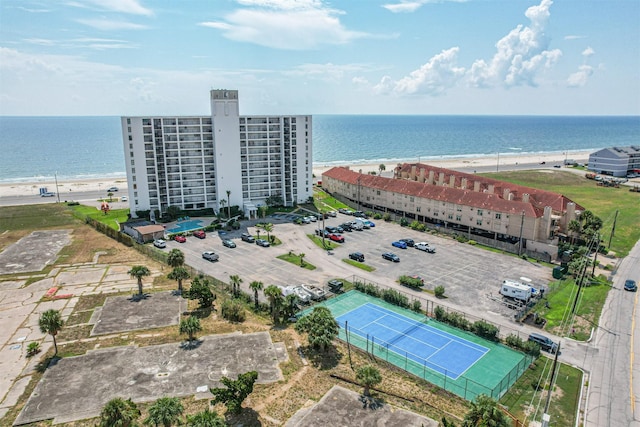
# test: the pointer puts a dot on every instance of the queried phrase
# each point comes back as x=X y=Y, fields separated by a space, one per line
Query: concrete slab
x=342 y=407
x=16 y=391
x=33 y=252
x=76 y=388
x=128 y=314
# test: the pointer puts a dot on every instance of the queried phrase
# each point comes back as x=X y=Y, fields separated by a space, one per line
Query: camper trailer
x=515 y=290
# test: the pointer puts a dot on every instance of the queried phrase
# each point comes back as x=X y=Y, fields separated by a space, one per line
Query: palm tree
x=381 y=168
x=166 y=411
x=50 y=323
x=179 y=274
x=139 y=271
x=205 y=418
x=302 y=255
x=110 y=195
x=369 y=376
x=268 y=227
x=485 y=412
x=274 y=294
x=222 y=203
x=175 y=258
x=190 y=326
x=574 y=227
x=256 y=286
x=229 y=203
x=263 y=210
x=119 y=413
x=234 y=281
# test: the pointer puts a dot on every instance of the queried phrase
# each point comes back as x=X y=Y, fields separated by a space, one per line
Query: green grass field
x=112 y=218
x=34 y=217
x=602 y=201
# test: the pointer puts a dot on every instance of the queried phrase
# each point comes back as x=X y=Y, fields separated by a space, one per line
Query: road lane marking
x=633 y=327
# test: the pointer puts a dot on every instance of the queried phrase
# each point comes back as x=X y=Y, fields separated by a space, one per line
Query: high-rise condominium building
x=213 y=161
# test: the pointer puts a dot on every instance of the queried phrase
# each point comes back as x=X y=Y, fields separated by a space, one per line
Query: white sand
x=505 y=162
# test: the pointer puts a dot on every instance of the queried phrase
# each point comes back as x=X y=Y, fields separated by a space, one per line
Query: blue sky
x=144 y=57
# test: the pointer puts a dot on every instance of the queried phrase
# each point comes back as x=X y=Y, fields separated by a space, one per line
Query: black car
x=630 y=285
x=390 y=256
x=409 y=242
x=346 y=227
x=228 y=243
x=320 y=232
x=357 y=256
x=335 y=286
x=247 y=238
x=545 y=343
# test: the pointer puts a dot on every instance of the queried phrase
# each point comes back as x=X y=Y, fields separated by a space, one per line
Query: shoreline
x=503 y=161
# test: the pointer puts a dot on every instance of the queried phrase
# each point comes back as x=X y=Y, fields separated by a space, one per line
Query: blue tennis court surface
x=436 y=349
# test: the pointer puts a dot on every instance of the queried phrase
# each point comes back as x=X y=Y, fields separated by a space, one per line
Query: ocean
x=38 y=148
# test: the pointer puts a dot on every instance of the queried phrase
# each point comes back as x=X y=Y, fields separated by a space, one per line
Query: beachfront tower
x=199 y=162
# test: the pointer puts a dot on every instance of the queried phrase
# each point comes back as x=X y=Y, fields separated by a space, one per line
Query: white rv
x=515 y=290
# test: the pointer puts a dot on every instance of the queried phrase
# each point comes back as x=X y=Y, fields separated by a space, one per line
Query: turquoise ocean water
x=35 y=148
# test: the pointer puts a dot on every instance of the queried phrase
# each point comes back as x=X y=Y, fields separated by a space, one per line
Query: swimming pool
x=188 y=225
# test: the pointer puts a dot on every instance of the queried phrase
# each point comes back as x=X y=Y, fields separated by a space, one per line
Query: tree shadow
x=138 y=297
x=371 y=402
x=176 y=293
x=47 y=363
x=327 y=359
x=191 y=345
x=202 y=313
x=246 y=417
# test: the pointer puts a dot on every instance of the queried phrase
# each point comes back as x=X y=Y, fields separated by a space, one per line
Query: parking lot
x=468 y=273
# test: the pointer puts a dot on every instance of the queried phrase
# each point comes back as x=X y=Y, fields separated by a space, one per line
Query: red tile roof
x=482 y=199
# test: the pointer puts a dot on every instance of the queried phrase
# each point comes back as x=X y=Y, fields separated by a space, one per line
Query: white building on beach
x=195 y=162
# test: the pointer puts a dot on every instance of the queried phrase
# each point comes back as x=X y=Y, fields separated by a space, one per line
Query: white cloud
x=521 y=55
x=410 y=6
x=280 y=24
x=110 y=25
x=581 y=77
x=326 y=72
x=432 y=78
x=573 y=37
x=132 y=7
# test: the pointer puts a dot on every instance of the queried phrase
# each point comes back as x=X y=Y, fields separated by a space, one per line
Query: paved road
x=84 y=197
x=615 y=374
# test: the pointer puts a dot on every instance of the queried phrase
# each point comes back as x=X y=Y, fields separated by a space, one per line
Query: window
x=130 y=138
x=458 y=218
x=480 y=212
x=478 y=222
x=418 y=209
x=498 y=216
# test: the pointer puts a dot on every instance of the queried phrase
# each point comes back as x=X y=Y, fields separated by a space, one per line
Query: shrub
x=386 y=217
x=416 y=306
x=421 y=227
x=233 y=311
x=486 y=330
x=394 y=297
x=472 y=242
x=404 y=222
x=33 y=348
x=377 y=216
x=462 y=239
x=411 y=282
x=439 y=291
x=439 y=313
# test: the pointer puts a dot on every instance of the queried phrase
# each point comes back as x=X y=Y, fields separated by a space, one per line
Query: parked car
x=306 y=220
x=160 y=243
x=123 y=199
x=424 y=246
x=545 y=343
x=112 y=189
x=210 y=256
x=399 y=244
x=390 y=256
x=331 y=229
x=332 y=214
x=200 y=234
x=246 y=237
x=313 y=218
x=47 y=194
x=320 y=232
x=228 y=243
x=409 y=242
x=263 y=243
x=335 y=286
x=336 y=238
x=180 y=239
x=316 y=293
x=343 y=211
x=357 y=256
x=303 y=296
x=630 y=285
x=346 y=227
x=371 y=224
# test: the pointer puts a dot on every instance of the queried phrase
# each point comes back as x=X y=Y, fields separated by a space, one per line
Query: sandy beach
x=66 y=188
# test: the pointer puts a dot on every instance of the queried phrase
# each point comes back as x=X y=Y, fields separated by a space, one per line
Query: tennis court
x=452 y=359
x=445 y=353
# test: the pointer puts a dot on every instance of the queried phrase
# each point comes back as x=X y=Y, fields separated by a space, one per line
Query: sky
x=436 y=57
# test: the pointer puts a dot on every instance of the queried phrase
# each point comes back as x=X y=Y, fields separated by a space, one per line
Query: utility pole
x=595 y=256
x=521 y=230
x=613 y=229
x=545 y=416
x=57 y=191
x=498 y=162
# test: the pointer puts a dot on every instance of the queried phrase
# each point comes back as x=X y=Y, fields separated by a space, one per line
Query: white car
x=160 y=243
x=424 y=246
x=123 y=199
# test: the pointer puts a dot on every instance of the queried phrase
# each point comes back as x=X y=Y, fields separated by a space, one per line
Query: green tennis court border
x=492 y=374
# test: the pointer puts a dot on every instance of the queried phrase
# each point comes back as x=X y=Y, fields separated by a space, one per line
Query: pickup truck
x=424 y=246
